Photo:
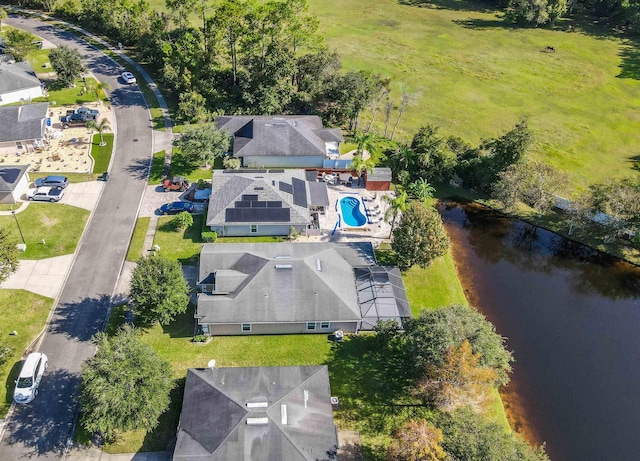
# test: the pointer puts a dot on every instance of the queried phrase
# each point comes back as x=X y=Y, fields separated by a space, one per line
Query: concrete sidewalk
x=94 y=454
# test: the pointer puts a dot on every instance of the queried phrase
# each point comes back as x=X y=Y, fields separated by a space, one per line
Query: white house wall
x=235 y=329
x=24 y=94
x=284 y=161
x=263 y=230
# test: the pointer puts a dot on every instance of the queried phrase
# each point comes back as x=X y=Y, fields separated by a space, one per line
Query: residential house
x=257 y=414
x=264 y=202
x=14 y=181
x=18 y=82
x=22 y=128
x=295 y=141
x=292 y=288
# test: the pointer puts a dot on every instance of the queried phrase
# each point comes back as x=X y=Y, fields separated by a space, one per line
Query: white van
x=29 y=378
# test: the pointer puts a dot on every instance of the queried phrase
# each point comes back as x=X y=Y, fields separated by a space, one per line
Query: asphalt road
x=40 y=430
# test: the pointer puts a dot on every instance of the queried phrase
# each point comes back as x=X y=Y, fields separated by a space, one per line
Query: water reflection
x=571 y=316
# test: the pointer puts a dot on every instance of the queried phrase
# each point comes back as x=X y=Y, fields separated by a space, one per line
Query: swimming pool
x=352 y=212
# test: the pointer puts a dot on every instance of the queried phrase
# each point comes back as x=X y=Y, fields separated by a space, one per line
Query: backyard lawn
x=59 y=226
x=25 y=313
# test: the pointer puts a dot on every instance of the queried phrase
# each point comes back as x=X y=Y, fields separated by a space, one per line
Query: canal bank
x=571 y=316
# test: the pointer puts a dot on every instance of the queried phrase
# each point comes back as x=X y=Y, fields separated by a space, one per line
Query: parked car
x=45 y=194
x=128 y=77
x=29 y=378
x=177 y=183
x=59 y=182
x=79 y=116
x=176 y=207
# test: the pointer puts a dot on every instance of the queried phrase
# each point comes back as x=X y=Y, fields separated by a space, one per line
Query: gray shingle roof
x=294 y=135
x=380 y=174
x=10 y=175
x=20 y=123
x=228 y=187
x=214 y=419
x=16 y=77
x=296 y=292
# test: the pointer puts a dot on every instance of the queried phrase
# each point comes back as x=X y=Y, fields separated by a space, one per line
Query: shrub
x=183 y=220
x=209 y=236
x=201 y=183
x=231 y=163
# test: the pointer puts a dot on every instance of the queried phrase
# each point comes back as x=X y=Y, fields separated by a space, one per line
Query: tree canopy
x=67 y=63
x=417 y=440
x=18 y=43
x=8 y=255
x=430 y=335
x=202 y=143
x=125 y=386
x=159 y=290
x=420 y=236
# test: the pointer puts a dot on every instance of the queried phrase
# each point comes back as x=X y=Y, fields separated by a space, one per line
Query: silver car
x=45 y=194
x=29 y=378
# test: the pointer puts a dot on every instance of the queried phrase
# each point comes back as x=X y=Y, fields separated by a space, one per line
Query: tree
x=99 y=90
x=8 y=255
x=67 y=63
x=18 y=43
x=182 y=220
x=417 y=441
x=420 y=237
x=3 y=16
x=458 y=382
x=159 y=290
x=192 y=108
x=421 y=190
x=397 y=204
x=230 y=163
x=533 y=183
x=525 y=12
x=471 y=437
x=125 y=386
x=406 y=99
x=101 y=127
x=202 y=143
x=432 y=157
x=430 y=335
x=620 y=202
x=578 y=212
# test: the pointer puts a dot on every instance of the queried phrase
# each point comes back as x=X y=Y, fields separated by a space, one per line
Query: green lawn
x=101 y=154
x=60 y=95
x=180 y=166
x=26 y=313
x=476 y=78
x=157 y=165
x=137 y=240
x=60 y=226
x=181 y=245
x=37 y=59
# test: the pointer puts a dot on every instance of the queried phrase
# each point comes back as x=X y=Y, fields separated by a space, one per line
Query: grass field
x=137 y=240
x=181 y=245
x=24 y=312
x=476 y=77
x=101 y=154
x=60 y=226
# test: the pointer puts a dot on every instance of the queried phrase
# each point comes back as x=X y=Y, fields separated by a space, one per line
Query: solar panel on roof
x=299 y=192
x=274 y=204
x=244 y=171
x=258 y=204
x=257 y=215
x=276 y=171
x=249 y=197
x=243 y=204
x=284 y=187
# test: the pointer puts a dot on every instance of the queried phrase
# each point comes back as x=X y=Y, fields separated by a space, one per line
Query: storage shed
x=379 y=179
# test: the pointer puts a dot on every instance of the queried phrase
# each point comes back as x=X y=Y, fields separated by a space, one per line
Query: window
x=325 y=325
x=311 y=326
x=246 y=327
x=254 y=229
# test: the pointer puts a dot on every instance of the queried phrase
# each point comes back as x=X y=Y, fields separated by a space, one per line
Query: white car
x=45 y=194
x=128 y=77
x=29 y=377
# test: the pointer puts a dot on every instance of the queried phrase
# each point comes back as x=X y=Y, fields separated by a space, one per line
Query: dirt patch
x=48 y=222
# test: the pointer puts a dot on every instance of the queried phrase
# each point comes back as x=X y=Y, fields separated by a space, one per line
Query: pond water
x=572 y=316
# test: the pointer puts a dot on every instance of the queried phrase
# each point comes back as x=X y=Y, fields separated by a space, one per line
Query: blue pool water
x=352 y=214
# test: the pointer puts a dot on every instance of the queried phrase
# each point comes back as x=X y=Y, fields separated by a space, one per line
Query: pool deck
x=376 y=233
